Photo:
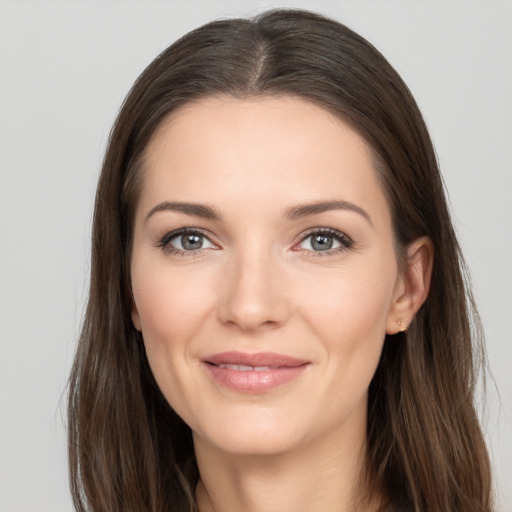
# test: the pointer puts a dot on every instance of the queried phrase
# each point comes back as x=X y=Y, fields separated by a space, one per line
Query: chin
x=252 y=443
x=246 y=434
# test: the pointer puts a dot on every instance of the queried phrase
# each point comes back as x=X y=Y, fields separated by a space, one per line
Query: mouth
x=253 y=373
x=245 y=368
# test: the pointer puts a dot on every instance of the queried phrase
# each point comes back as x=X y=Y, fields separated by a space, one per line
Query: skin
x=257 y=284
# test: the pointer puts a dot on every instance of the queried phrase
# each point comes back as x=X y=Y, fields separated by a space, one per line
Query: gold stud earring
x=402 y=326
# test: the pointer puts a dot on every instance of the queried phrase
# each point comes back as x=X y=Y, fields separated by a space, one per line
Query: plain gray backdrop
x=64 y=70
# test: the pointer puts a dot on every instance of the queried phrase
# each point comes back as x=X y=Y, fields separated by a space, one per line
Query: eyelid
x=164 y=241
x=345 y=241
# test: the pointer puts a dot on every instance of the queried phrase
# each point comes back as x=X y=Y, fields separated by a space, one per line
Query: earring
x=402 y=326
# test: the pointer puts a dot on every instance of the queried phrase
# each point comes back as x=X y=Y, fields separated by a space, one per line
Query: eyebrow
x=315 y=208
x=294 y=212
x=197 y=210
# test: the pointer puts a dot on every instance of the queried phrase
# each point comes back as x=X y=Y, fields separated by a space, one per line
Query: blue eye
x=325 y=241
x=185 y=240
x=321 y=242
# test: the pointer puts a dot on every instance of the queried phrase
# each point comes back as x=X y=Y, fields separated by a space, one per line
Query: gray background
x=64 y=70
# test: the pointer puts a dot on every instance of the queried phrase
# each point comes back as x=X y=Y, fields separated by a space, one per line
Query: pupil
x=191 y=242
x=321 y=242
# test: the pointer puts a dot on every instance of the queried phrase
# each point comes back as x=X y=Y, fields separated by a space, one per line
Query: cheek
x=348 y=311
x=350 y=301
x=169 y=303
x=169 y=309
x=166 y=308
x=175 y=306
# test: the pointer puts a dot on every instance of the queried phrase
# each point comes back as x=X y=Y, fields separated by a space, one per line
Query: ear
x=135 y=315
x=412 y=286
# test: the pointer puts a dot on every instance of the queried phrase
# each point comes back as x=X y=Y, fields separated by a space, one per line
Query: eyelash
x=165 y=245
x=345 y=241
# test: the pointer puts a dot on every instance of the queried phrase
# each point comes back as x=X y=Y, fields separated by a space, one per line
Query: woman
x=278 y=317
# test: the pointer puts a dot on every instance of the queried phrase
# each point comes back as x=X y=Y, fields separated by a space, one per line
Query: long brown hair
x=128 y=450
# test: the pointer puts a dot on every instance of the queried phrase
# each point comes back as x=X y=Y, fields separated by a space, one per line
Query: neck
x=315 y=477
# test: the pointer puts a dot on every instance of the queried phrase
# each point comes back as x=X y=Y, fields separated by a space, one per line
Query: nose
x=255 y=295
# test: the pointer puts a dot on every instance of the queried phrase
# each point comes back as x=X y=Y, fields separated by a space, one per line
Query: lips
x=245 y=368
x=253 y=373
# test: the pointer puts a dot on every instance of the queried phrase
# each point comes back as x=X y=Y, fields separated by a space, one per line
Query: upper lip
x=255 y=359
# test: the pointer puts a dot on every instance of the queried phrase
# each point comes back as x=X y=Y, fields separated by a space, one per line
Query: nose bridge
x=254 y=293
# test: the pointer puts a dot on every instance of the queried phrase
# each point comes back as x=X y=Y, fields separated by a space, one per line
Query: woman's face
x=264 y=273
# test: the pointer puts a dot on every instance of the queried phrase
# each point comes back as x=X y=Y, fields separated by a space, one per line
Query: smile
x=253 y=373
x=245 y=368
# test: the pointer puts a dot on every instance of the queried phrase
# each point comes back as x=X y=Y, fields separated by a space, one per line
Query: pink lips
x=253 y=373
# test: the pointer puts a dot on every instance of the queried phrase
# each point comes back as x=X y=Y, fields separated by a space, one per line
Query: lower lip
x=253 y=381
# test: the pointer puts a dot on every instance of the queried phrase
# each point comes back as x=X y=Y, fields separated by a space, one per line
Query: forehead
x=230 y=150
x=216 y=119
